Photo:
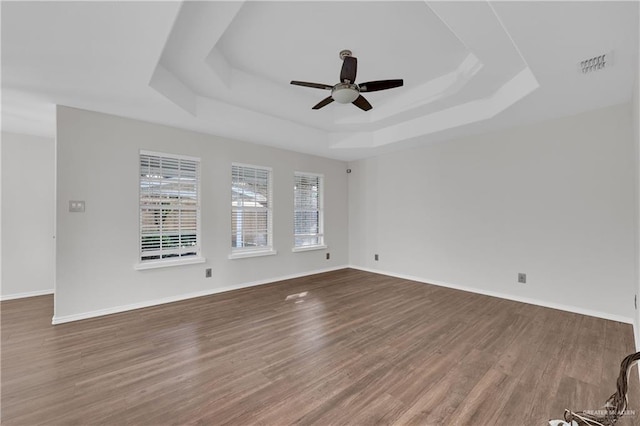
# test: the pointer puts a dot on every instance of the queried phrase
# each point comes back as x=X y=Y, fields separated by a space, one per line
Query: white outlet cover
x=76 y=206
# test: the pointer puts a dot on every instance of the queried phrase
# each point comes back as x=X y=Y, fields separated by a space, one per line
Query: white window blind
x=169 y=207
x=308 y=215
x=251 y=221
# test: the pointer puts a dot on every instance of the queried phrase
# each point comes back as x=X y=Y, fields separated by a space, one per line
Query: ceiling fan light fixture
x=345 y=93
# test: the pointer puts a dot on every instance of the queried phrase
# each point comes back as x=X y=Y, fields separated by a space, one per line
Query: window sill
x=153 y=264
x=252 y=253
x=308 y=248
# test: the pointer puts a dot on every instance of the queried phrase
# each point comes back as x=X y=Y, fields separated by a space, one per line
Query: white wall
x=554 y=200
x=635 y=114
x=27 y=215
x=97 y=161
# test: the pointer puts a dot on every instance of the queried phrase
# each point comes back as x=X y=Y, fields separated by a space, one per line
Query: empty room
x=320 y=213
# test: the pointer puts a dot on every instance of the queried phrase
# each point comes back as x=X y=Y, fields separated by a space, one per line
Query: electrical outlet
x=375 y=257
x=207 y=273
x=522 y=278
x=76 y=206
x=328 y=256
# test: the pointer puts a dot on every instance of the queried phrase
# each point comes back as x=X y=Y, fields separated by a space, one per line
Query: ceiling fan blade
x=324 y=102
x=314 y=85
x=349 y=69
x=362 y=103
x=374 y=86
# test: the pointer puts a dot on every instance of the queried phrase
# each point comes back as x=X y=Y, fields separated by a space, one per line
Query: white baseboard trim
x=117 y=309
x=568 y=308
x=26 y=294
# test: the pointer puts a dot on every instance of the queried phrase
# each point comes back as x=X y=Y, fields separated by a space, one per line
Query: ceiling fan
x=347 y=91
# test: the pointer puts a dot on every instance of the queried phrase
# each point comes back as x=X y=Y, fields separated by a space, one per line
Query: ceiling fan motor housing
x=345 y=93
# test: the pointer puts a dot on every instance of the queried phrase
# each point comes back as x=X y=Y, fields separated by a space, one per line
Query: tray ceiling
x=224 y=67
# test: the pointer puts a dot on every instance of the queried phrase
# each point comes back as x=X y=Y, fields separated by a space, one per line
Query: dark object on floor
x=616 y=405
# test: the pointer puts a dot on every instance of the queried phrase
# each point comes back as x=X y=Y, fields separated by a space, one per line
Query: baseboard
x=26 y=294
x=124 y=308
x=568 y=308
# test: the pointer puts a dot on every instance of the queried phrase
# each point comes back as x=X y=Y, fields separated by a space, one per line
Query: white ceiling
x=224 y=67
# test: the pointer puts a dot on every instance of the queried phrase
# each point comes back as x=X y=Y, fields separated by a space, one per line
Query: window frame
x=268 y=249
x=183 y=259
x=321 y=229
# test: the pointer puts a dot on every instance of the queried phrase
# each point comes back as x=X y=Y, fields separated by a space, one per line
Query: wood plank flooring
x=358 y=348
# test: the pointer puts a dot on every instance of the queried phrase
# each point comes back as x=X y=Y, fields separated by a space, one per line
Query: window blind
x=308 y=214
x=169 y=206
x=251 y=220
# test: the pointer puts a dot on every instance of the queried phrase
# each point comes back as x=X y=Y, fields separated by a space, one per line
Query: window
x=169 y=209
x=308 y=215
x=251 y=211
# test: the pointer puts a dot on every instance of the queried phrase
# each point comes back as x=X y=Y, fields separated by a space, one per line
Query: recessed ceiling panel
x=224 y=67
x=284 y=41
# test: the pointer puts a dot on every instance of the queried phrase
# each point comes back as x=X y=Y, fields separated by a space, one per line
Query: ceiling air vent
x=596 y=63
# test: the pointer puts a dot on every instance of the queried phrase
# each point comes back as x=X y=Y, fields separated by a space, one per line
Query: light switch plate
x=76 y=206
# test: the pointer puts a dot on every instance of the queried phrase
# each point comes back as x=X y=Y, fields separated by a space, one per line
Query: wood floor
x=358 y=348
